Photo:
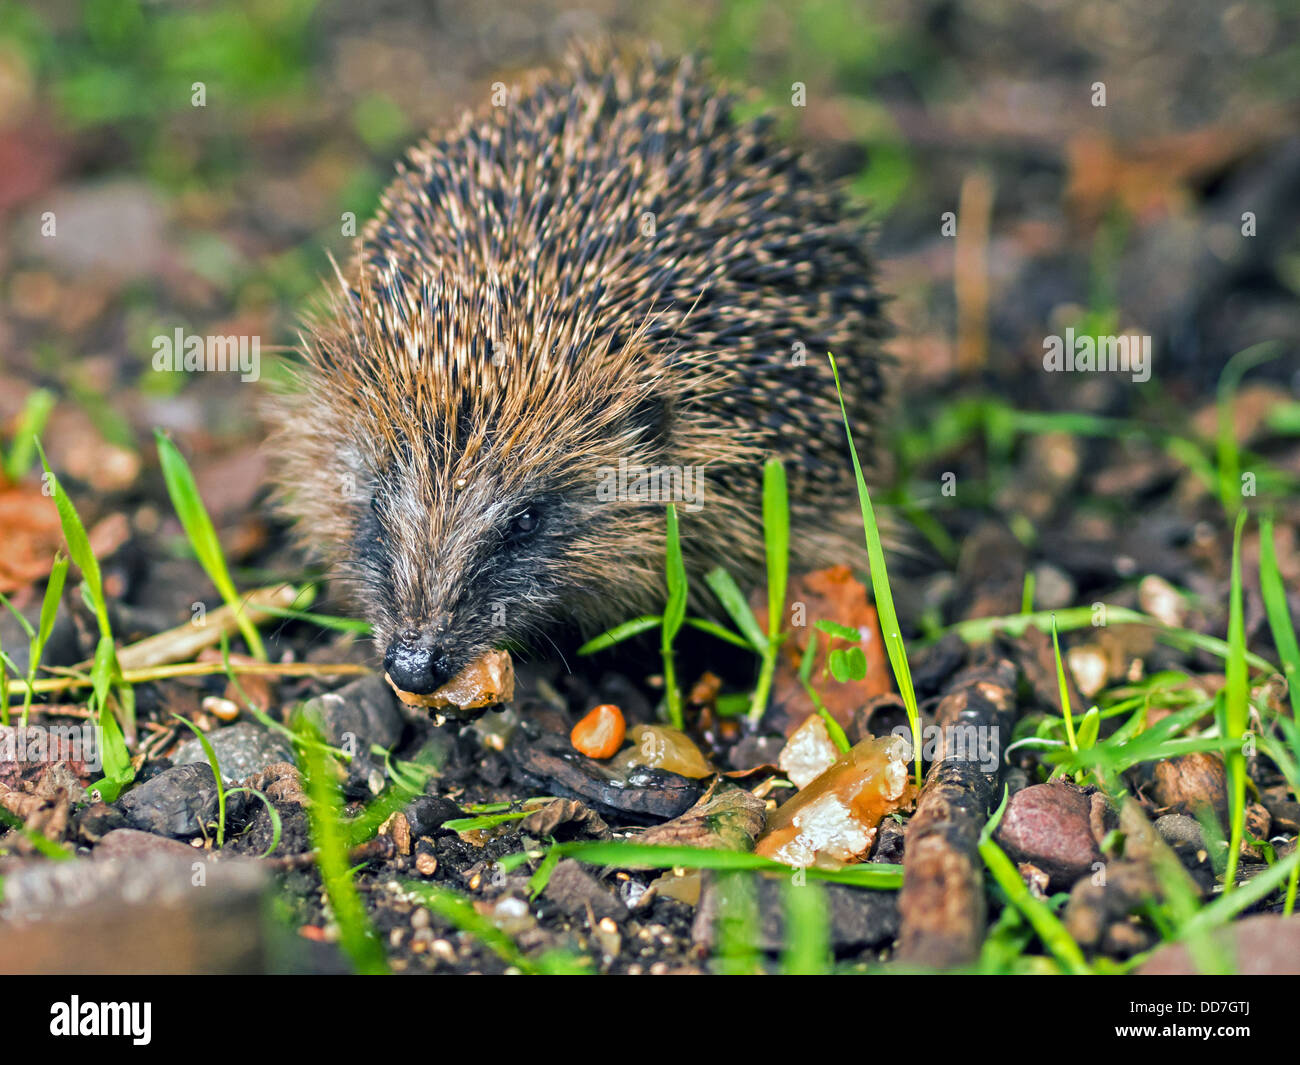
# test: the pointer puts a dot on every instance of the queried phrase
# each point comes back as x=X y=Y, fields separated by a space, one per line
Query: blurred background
x=219 y=219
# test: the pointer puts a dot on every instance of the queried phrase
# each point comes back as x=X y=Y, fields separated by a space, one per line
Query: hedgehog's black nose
x=415 y=667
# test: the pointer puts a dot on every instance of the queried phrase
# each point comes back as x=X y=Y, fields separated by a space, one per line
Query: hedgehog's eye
x=524 y=525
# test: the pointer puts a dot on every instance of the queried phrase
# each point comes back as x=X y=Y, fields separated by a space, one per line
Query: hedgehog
x=605 y=295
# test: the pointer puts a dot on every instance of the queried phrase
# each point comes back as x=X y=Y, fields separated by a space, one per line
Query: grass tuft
x=356 y=936
x=105 y=672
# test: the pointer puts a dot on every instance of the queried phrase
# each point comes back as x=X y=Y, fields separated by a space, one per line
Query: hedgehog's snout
x=416 y=665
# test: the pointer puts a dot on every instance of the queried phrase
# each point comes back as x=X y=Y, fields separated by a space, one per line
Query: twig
x=942 y=902
x=201 y=669
x=183 y=642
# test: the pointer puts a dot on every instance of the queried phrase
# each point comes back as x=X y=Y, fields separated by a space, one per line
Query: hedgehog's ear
x=652 y=419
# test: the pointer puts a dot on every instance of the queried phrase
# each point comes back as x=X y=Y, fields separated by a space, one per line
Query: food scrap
x=661 y=747
x=809 y=752
x=600 y=733
x=488 y=680
x=833 y=819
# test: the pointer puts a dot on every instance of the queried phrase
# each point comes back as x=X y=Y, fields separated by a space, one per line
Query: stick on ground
x=942 y=900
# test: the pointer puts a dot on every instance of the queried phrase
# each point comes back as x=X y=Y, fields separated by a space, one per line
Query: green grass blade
x=714 y=629
x=74 y=533
x=675 y=610
x=324 y=621
x=733 y=601
x=356 y=936
x=1064 y=688
x=471 y=824
x=7 y=666
x=31 y=423
x=1236 y=714
x=459 y=911
x=50 y=602
x=1227 y=906
x=805 y=678
x=776 y=533
x=1279 y=614
x=538 y=881
x=198 y=527
x=889 y=626
x=211 y=756
x=1228 y=453
x=1089 y=729
x=1049 y=928
x=807 y=930
x=622 y=632
x=277 y=825
x=118 y=771
x=844 y=632
x=981 y=630
x=737 y=926
x=1027 y=593
x=626 y=854
x=674 y=614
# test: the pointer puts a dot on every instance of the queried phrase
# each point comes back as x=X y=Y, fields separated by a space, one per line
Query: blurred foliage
x=114 y=64
x=832 y=46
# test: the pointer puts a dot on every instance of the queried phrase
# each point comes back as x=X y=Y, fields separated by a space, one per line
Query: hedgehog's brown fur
x=608 y=266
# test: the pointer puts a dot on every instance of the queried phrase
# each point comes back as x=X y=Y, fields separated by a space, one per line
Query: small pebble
x=1161 y=600
x=1053 y=588
x=399 y=828
x=218 y=707
x=608 y=936
x=1088 y=665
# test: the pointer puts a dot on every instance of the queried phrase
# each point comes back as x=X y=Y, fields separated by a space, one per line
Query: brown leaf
x=32 y=535
x=1152 y=179
x=726 y=817
x=832 y=594
x=582 y=820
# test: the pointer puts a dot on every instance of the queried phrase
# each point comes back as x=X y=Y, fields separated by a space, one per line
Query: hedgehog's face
x=452 y=572
x=451 y=569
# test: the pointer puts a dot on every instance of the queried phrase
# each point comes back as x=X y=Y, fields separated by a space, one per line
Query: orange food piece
x=488 y=680
x=833 y=819
x=600 y=733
